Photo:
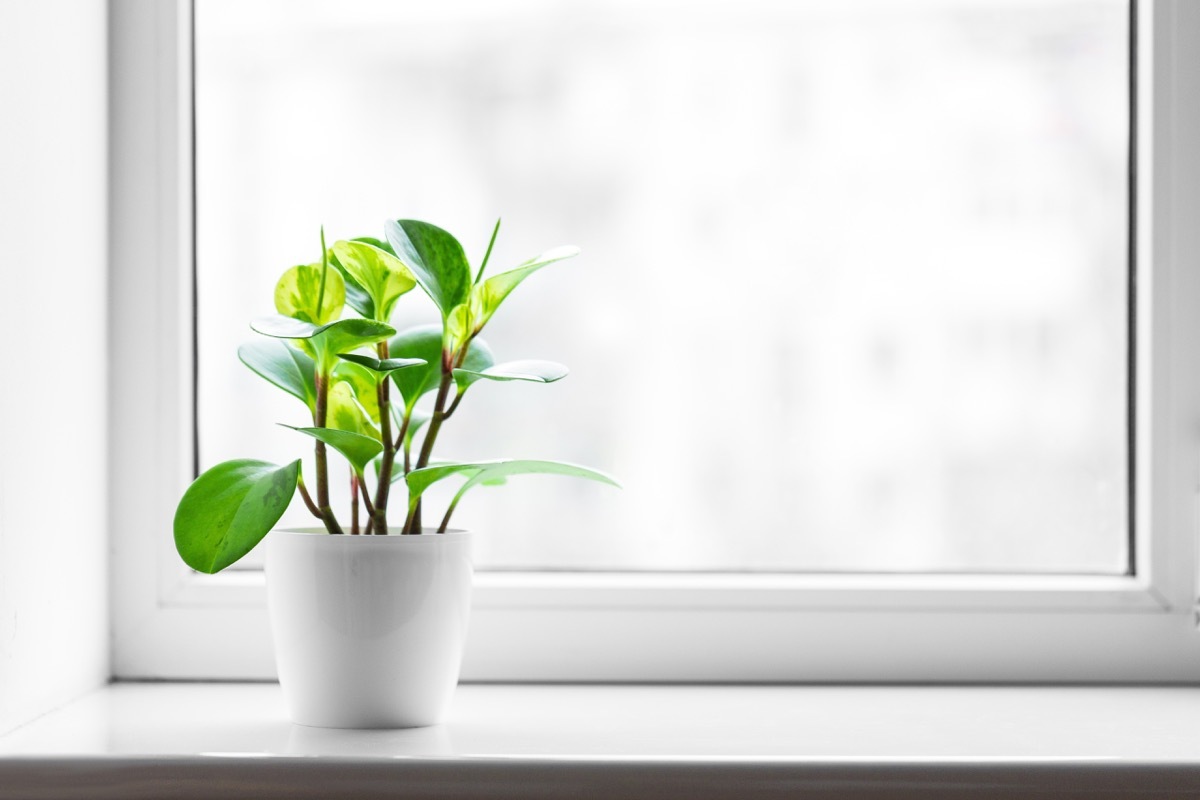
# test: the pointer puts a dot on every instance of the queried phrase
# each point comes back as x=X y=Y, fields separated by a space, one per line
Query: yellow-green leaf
x=491 y=293
x=346 y=413
x=299 y=294
x=380 y=274
x=363 y=384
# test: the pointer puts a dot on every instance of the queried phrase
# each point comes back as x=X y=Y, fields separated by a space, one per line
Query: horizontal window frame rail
x=516 y=590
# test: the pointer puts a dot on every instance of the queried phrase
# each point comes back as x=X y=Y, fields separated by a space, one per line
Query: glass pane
x=854 y=292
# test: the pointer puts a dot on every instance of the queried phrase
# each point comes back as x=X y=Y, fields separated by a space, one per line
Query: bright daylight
x=852 y=295
x=600 y=399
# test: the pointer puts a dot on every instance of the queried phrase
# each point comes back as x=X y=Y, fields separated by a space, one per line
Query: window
x=936 y=193
x=932 y=485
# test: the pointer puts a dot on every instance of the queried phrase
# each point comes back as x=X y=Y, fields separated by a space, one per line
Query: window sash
x=172 y=623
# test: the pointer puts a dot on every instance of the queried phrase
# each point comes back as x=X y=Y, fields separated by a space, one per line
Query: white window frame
x=172 y=623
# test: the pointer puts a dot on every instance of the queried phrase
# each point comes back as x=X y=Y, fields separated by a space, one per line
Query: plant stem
x=403 y=429
x=457 y=399
x=366 y=496
x=435 y=423
x=389 y=449
x=331 y=523
x=450 y=509
x=308 y=501
x=413 y=524
x=353 y=504
x=403 y=441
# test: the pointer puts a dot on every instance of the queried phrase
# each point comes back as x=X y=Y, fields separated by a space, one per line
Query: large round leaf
x=425 y=342
x=300 y=293
x=434 y=257
x=229 y=509
x=283 y=365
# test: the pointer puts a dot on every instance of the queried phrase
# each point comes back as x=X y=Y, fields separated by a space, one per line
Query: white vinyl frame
x=172 y=623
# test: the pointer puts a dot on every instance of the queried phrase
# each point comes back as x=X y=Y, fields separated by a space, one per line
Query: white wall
x=53 y=296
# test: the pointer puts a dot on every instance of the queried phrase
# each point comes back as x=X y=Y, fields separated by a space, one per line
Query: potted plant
x=368 y=611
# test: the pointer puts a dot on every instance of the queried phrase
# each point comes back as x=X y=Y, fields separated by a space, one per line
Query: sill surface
x=134 y=740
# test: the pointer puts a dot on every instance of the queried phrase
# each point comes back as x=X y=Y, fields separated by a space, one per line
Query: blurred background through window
x=854 y=291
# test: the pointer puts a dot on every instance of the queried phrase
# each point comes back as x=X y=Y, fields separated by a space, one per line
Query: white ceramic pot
x=368 y=630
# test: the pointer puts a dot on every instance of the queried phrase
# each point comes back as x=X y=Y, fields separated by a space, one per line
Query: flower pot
x=368 y=630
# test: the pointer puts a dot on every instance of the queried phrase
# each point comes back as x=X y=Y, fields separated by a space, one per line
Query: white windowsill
x=134 y=740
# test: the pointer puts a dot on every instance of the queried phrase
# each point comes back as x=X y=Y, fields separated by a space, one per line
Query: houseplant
x=368 y=617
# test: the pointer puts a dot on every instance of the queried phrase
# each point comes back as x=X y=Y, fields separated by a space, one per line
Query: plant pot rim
x=393 y=533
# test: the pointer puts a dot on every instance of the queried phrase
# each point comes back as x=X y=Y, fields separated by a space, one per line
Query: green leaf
x=298 y=291
x=525 y=370
x=328 y=341
x=459 y=326
x=424 y=342
x=348 y=334
x=382 y=244
x=348 y=411
x=281 y=327
x=283 y=365
x=382 y=368
x=358 y=449
x=356 y=296
x=384 y=278
x=229 y=509
x=491 y=293
x=485 y=471
x=435 y=258
x=344 y=333
x=363 y=385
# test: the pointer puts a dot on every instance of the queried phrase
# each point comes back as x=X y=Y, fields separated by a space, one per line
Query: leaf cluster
x=365 y=386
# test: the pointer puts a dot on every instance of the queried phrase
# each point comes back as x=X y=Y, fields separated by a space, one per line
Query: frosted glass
x=854 y=286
